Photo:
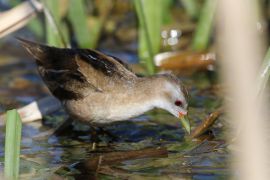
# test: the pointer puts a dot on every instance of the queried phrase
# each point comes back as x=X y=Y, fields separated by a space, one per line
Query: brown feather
x=77 y=72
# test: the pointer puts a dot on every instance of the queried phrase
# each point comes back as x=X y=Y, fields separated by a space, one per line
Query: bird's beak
x=185 y=121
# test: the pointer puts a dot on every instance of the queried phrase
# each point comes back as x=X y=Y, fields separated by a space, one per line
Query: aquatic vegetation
x=12 y=144
x=54 y=34
x=204 y=28
x=78 y=17
x=150 y=21
x=191 y=7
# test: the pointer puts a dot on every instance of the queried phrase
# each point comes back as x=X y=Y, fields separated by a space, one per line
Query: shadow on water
x=65 y=156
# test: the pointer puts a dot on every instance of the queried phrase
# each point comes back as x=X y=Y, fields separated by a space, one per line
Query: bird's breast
x=106 y=108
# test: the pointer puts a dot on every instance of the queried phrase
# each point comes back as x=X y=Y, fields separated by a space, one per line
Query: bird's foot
x=99 y=134
x=107 y=133
x=62 y=128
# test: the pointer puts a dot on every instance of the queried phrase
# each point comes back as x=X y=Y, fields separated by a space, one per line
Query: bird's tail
x=35 y=49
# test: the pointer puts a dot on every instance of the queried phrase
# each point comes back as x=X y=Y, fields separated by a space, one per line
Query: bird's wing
x=103 y=71
x=75 y=73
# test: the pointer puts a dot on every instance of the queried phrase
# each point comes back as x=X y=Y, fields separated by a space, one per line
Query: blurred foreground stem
x=12 y=144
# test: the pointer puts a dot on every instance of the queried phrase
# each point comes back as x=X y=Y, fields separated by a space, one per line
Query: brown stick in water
x=206 y=124
x=94 y=163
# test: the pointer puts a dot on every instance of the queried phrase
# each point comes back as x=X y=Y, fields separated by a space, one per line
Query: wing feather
x=75 y=73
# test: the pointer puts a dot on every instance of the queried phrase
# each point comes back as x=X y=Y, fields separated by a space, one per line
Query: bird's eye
x=178 y=103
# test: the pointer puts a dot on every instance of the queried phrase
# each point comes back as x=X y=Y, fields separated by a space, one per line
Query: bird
x=97 y=89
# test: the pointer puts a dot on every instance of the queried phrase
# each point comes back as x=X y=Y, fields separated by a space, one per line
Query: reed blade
x=150 y=21
x=78 y=17
x=204 y=27
x=12 y=144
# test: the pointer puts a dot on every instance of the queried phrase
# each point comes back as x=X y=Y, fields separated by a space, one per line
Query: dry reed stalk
x=18 y=16
x=240 y=51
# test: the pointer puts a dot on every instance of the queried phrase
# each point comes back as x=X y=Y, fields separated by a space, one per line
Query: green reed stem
x=150 y=20
x=12 y=144
x=204 y=28
x=78 y=17
x=191 y=7
x=53 y=33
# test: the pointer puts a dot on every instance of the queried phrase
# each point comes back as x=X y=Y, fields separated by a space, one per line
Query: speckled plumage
x=97 y=88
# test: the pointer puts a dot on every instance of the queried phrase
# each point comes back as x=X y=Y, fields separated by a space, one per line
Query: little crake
x=98 y=89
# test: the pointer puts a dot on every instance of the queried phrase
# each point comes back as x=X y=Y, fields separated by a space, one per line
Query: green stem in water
x=146 y=32
x=191 y=7
x=53 y=33
x=203 y=30
x=12 y=144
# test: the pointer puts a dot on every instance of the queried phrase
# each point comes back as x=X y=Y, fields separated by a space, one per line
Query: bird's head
x=174 y=98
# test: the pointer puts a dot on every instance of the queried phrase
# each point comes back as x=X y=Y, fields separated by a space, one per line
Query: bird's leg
x=96 y=132
x=94 y=137
x=107 y=133
x=61 y=129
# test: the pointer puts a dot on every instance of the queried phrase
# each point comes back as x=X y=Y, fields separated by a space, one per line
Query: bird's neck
x=135 y=100
x=147 y=92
